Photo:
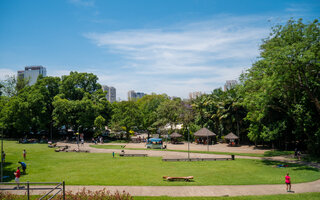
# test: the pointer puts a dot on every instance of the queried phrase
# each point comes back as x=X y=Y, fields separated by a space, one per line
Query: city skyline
x=172 y=47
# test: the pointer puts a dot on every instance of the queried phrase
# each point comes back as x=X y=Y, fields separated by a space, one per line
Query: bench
x=197 y=159
x=186 y=178
x=133 y=155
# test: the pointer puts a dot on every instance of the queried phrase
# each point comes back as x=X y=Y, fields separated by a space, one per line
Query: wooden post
x=64 y=190
x=28 y=190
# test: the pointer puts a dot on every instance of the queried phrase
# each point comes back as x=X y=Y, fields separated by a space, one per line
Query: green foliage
x=169 y=112
x=75 y=101
x=281 y=90
x=126 y=115
x=148 y=106
x=221 y=111
x=80 y=101
x=99 y=124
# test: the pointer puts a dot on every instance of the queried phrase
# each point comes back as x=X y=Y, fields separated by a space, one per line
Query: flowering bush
x=82 y=195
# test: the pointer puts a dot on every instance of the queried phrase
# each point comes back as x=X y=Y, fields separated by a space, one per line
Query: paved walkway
x=223 y=190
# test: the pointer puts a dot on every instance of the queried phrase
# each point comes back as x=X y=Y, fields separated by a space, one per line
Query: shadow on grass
x=277 y=153
x=296 y=166
x=7 y=172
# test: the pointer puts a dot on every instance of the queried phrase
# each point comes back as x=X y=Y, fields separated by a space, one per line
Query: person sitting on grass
x=23 y=166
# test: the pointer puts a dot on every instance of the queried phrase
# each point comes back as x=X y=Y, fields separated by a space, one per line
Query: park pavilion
x=231 y=137
x=203 y=136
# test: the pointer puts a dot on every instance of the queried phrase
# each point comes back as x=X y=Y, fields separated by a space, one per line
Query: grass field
x=45 y=165
x=303 y=196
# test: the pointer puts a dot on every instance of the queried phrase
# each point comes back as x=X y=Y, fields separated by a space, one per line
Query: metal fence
x=54 y=190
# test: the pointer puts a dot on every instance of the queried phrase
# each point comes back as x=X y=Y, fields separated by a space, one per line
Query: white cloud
x=190 y=57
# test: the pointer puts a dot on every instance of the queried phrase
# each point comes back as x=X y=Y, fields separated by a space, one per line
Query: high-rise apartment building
x=111 y=93
x=31 y=73
x=135 y=95
x=230 y=84
x=194 y=95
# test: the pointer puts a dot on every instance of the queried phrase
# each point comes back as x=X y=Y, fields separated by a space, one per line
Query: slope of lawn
x=45 y=165
x=303 y=196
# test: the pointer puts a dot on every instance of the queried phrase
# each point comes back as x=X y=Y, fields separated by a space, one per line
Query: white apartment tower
x=31 y=73
x=194 y=95
x=230 y=84
x=111 y=93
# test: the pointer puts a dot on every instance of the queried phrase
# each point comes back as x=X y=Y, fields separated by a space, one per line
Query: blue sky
x=161 y=46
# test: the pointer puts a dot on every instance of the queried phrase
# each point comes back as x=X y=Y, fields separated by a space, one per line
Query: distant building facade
x=31 y=73
x=111 y=93
x=194 y=95
x=135 y=95
x=230 y=84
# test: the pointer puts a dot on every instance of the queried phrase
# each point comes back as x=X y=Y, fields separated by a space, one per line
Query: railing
x=59 y=187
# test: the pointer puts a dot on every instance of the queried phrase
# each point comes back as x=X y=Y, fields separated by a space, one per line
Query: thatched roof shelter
x=204 y=132
x=231 y=136
x=175 y=135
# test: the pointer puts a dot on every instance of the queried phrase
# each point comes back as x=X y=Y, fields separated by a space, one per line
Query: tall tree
x=126 y=115
x=282 y=88
x=148 y=106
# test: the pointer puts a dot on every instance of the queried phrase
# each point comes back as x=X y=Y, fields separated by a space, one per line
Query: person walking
x=24 y=154
x=288 y=182
x=17 y=177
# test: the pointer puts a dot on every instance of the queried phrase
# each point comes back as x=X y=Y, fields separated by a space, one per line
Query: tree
x=126 y=115
x=281 y=90
x=169 y=112
x=80 y=101
x=148 y=108
x=99 y=124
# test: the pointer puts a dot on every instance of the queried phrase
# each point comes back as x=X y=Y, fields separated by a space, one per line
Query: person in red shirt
x=288 y=182
x=17 y=175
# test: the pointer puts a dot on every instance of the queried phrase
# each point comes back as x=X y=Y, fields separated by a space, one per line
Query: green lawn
x=45 y=165
x=303 y=196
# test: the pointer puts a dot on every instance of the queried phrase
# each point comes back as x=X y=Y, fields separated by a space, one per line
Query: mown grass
x=45 y=165
x=302 y=196
x=277 y=153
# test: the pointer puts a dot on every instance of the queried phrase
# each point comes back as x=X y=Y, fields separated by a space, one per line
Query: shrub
x=82 y=195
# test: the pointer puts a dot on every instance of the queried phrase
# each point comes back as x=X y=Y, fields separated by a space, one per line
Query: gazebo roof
x=175 y=135
x=204 y=132
x=231 y=136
